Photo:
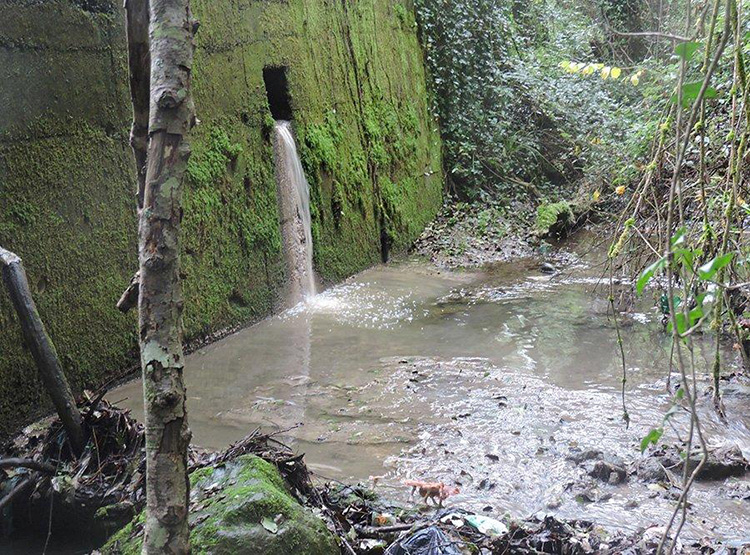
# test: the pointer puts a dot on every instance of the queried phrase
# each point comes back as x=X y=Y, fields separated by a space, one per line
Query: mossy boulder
x=241 y=507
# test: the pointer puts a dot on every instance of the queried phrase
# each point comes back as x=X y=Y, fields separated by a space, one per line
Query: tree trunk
x=42 y=349
x=139 y=61
x=170 y=117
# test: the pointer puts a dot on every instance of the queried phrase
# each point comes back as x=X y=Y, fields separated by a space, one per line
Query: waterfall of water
x=294 y=205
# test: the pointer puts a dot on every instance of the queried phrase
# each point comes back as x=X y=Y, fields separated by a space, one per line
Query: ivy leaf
x=709 y=269
x=652 y=437
x=681 y=323
x=649 y=273
x=687 y=50
x=690 y=92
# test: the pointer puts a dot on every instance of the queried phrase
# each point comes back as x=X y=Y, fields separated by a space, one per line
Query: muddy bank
x=472 y=235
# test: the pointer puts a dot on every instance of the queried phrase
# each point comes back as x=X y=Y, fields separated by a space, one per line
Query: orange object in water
x=437 y=491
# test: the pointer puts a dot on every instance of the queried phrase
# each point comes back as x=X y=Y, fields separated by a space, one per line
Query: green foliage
x=690 y=92
x=651 y=438
x=551 y=215
x=684 y=259
x=649 y=273
x=507 y=109
x=480 y=104
x=709 y=269
x=686 y=50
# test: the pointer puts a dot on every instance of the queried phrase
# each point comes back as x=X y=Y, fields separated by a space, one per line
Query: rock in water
x=650 y=470
x=722 y=462
x=547 y=268
x=241 y=507
x=610 y=469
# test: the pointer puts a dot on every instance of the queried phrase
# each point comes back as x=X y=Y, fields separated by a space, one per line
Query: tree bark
x=42 y=349
x=170 y=116
x=139 y=61
x=129 y=298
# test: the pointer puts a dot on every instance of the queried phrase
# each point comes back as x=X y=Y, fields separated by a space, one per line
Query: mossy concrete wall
x=368 y=143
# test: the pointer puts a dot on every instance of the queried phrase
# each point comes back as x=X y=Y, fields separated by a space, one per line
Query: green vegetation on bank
x=515 y=124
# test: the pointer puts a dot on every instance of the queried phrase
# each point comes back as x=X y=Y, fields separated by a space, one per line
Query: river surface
x=483 y=379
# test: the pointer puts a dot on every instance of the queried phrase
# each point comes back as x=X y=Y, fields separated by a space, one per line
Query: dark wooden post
x=42 y=348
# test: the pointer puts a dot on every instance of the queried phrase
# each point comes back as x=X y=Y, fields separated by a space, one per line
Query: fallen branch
x=28 y=463
x=380 y=531
x=42 y=348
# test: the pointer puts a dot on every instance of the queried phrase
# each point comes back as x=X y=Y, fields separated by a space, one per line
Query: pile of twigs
x=42 y=481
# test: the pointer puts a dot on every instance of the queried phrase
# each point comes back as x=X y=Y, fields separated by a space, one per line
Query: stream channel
x=486 y=380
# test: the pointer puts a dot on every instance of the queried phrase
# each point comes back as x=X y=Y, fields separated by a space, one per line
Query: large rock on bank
x=241 y=507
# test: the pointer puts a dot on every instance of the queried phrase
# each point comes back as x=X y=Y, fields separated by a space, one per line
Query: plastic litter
x=455 y=519
x=428 y=541
x=486 y=525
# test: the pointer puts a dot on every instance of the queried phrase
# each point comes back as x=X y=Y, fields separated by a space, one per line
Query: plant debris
x=40 y=472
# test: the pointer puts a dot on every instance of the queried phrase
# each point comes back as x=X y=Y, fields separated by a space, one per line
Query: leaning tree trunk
x=42 y=349
x=171 y=116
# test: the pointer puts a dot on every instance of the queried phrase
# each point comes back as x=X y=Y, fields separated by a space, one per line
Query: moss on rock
x=242 y=507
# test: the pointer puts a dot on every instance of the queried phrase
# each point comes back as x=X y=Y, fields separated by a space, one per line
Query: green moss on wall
x=369 y=147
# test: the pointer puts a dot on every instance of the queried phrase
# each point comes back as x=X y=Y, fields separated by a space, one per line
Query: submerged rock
x=650 y=470
x=722 y=463
x=241 y=507
x=611 y=471
x=578 y=456
x=607 y=468
x=547 y=268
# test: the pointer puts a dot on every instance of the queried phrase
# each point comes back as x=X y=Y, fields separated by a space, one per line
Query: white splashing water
x=298 y=233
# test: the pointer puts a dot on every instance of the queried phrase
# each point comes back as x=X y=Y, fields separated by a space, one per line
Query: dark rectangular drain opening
x=277 y=90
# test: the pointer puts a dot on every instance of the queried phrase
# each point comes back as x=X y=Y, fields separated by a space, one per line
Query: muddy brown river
x=483 y=379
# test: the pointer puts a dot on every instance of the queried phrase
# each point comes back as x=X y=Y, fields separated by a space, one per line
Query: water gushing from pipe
x=294 y=207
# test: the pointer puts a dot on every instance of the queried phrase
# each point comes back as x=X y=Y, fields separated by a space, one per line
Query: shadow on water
x=485 y=379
